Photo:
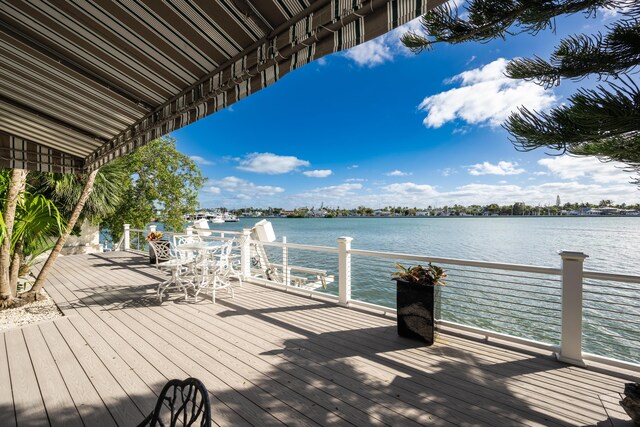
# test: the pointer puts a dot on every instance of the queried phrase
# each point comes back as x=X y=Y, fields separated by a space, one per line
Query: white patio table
x=205 y=268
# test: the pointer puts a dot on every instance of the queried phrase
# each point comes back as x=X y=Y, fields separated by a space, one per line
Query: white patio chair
x=229 y=261
x=165 y=261
x=212 y=272
x=303 y=277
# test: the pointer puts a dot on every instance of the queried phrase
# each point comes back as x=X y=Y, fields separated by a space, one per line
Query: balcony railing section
x=580 y=315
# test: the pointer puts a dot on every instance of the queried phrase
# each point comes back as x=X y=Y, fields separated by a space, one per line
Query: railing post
x=245 y=253
x=152 y=228
x=571 y=335
x=127 y=237
x=344 y=270
x=285 y=262
x=189 y=231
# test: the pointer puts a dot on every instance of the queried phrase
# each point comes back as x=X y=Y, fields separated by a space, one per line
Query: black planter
x=152 y=254
x=416 y=305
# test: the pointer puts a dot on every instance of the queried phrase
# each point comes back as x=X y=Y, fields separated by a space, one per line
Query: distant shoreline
x=443 y=216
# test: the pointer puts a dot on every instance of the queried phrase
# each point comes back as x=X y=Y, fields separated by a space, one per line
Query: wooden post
x=127 y=237
x=344 y=270
x=245 y=254
x=285 y=263
x=571 y=336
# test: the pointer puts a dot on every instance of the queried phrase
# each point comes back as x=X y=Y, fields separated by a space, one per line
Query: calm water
x=521 y=304
x=613 y=244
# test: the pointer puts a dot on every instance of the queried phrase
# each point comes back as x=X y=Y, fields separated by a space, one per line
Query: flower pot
x=416 y=311
x=152 y=254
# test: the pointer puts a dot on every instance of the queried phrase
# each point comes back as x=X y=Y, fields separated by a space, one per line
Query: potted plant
x=416 y=293
x=156 y=237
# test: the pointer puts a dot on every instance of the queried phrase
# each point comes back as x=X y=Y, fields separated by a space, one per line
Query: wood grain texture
x=272 y=358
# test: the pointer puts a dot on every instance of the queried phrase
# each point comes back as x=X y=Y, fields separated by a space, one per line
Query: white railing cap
x=573 y=255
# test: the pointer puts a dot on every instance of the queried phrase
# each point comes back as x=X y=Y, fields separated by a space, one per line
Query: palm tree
x=99 y=196
x=12 y=184
x=33 y=222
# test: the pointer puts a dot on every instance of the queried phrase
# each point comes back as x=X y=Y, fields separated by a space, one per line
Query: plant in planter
x=162 y=247
x=416 y=292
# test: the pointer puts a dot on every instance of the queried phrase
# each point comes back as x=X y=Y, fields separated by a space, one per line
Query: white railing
x=580 y=315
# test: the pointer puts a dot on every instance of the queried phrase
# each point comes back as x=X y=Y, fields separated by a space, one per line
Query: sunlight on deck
x=269 y=358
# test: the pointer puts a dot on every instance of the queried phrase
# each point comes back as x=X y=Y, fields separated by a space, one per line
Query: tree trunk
x=44 y=271
x=14 y=273
x=16 y=187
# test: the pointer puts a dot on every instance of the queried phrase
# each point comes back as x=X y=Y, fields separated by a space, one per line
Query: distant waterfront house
x=381 y=213
x=610 y=210
x=423 y=213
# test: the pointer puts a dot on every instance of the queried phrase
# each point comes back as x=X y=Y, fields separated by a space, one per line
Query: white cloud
x=201 y=161
x=333 y=192
x=371 y=53
x=485 y=97
x=239 y=186
x=214 y=190
x=410 y=188
x=397 y=173
x=570 y=167
x=614 y=13
x=384 y=48
x=355 y=180
x=502 y=168
x=270 y=163
x=353 y=167
x=321 y=61
x=422 y=195
x=318 y=173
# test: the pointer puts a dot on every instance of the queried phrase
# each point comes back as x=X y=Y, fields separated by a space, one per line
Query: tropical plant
x=602 y=122
x=154 y=235
x=36 y=223
x=430 y=275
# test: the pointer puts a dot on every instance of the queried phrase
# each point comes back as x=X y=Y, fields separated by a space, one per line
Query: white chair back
x=161 y=249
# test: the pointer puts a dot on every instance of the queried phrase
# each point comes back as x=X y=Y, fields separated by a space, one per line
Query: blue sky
x=378 y=125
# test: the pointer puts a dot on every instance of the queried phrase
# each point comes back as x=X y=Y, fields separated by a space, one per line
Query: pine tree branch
x=491 y=19
x=604 y=122
x=580 y=55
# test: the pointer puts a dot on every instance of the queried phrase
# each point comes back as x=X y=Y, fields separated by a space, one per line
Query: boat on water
x=228 y=217
x=216 y=219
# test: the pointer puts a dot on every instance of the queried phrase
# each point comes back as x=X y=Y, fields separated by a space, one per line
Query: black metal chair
x=181 y=403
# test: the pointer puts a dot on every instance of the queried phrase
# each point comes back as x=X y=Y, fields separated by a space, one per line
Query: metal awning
x=84 y=82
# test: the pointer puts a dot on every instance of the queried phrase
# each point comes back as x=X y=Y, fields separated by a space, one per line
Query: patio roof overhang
x=82 y=83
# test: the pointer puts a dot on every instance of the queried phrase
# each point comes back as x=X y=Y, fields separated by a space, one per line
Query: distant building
x=381 y=213
x=423 y=213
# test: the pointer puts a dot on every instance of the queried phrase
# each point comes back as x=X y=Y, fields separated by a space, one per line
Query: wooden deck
x=270 y=358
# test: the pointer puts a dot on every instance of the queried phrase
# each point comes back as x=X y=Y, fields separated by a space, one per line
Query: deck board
x=7 y=412
x=270 y=358
x=27 y=399
x=57 y=400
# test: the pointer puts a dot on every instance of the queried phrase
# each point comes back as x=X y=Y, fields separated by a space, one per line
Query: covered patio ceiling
x=84 y=82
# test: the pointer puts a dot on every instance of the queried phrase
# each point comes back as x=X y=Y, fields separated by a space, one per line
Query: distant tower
x=558 y=200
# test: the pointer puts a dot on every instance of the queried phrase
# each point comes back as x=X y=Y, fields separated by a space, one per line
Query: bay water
x=521 y=304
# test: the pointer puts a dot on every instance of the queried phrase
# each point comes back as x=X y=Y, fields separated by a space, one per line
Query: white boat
x=217 y=219
x=230 y=217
